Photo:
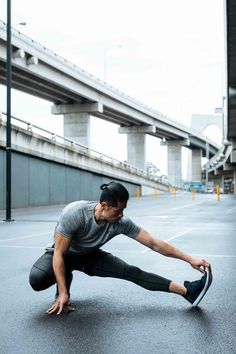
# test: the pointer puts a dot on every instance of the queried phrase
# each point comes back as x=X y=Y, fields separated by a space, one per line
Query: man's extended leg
x=107 y=265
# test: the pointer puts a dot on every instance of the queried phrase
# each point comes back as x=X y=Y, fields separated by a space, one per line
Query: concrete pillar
x=77 y=127
x=174 y=163
x=136 y=144
x=196 y=165
x=234 y=181
x=136 y=150
x=233 y=153
x=77 y=120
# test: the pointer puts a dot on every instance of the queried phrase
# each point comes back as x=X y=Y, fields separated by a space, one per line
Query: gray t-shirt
x=77 y=222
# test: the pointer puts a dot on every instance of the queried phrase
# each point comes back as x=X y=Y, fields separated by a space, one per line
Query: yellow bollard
x=218 y=192
x=193 y=194
x=155 y=193
x=138 y=192
x=174 y=192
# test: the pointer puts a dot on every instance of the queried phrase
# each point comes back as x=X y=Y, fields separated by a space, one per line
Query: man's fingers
x=56 y=307
x=206 y=264
x=200 y=270
x=52 y=309
x=60 y=309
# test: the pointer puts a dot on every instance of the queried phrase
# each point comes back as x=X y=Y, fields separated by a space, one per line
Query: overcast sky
x=168 y=54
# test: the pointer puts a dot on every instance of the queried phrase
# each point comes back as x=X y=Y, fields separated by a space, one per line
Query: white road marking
x=215 y=255
x=156 y=216
x=179 y=235
x=27 y=236
x=186 y=206
x=171 y=238
x=129 y=251
x=229 y=211
x=7 y=246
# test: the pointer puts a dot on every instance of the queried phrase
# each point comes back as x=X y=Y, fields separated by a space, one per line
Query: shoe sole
x=204 y=290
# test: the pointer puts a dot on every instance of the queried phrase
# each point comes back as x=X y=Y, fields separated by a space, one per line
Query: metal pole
x=207 y=156
x=105 y=64
x=8 y=125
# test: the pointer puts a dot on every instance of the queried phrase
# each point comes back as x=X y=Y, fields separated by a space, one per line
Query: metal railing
x=82 y=149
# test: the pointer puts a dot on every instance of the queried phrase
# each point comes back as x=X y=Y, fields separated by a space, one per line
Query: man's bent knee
x=39 y=279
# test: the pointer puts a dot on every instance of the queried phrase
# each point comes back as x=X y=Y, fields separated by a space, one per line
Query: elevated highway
x=38 y=71
x=224 y=161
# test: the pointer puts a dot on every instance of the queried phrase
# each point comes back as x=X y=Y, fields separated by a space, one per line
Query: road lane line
x=27 y=236
x=187 y=206
x=129 y=251
x=7 y=246
x=215 y=255
x=156 y=216
x=229 y=211
x=172 y=238
x=179 y=235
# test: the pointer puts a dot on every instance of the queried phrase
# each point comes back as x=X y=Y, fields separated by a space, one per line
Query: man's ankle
x=177 y=288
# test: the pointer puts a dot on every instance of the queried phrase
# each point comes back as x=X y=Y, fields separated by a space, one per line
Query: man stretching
x=83 y=228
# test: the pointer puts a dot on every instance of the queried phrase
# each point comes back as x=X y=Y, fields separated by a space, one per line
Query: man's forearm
x=60 y=272
x=167 y=250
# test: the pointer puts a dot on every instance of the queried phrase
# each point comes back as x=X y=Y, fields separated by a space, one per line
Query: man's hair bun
x=104 y=186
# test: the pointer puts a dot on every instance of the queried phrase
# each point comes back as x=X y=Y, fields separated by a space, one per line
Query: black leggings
x=98 y=263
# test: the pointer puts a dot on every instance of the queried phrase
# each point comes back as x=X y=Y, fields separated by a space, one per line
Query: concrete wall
x=41 y=182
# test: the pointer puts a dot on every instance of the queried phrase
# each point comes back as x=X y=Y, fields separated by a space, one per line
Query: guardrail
x=82 y=149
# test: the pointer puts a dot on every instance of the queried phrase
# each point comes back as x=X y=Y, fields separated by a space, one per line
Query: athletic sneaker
x=198 y=288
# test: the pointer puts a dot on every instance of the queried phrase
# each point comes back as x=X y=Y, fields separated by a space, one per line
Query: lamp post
x=8 y=124
x=106 y=50
x=207 y=156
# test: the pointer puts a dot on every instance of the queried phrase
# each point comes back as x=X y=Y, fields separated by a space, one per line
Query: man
x=81 y=231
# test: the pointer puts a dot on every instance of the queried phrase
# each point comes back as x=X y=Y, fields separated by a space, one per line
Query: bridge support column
x=136 y=150
x=77 y=120
x=136 y=144
x=234 y=180
x=174 y=164
x=77 y=127
x=196 y=174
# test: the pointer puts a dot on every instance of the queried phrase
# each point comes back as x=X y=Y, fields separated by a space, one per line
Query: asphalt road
x=115 y=316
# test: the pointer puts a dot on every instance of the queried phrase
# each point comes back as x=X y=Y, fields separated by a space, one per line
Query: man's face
x=113 y=213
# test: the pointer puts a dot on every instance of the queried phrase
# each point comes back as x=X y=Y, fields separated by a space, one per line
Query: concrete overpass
x=223 y=163
x=77 y=94
x=51 y=169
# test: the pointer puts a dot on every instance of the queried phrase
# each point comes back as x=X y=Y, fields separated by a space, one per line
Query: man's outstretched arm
x=166 y=249
x=61 y=246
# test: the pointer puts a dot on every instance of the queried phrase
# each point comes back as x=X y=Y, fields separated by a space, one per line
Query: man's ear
x=104 y=205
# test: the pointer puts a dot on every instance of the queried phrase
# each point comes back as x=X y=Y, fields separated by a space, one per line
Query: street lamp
x=8 y=124
x=106 y=50
x=207 y=156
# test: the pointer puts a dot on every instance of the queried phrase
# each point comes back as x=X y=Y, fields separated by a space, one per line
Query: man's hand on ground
x=61 y=301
